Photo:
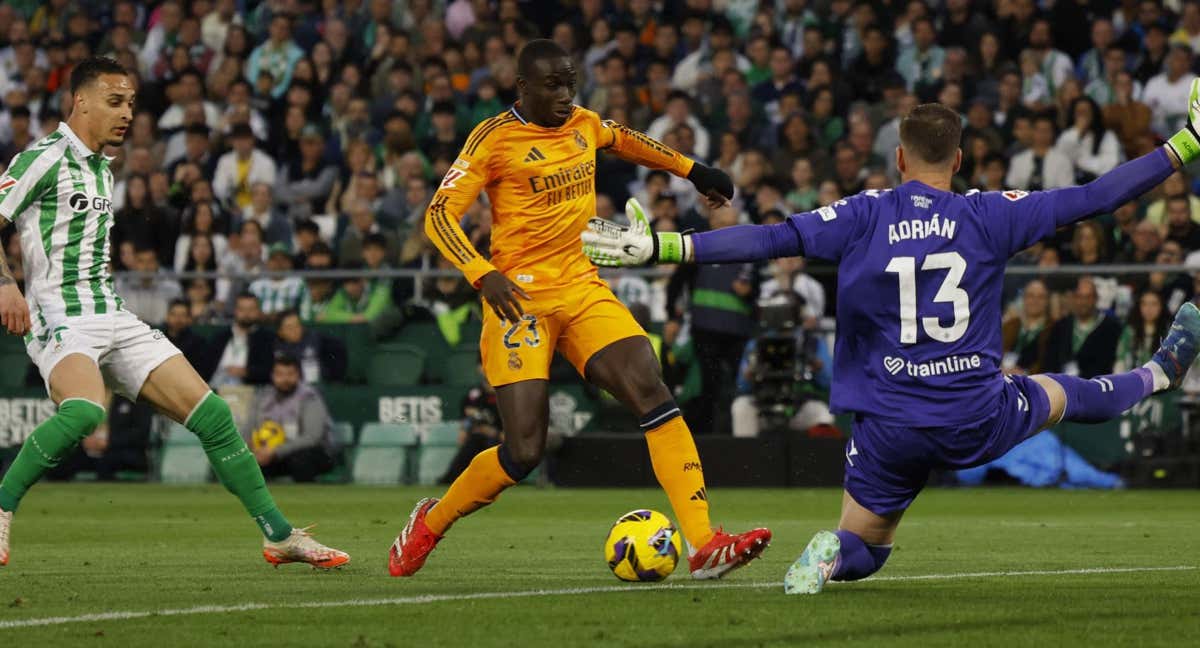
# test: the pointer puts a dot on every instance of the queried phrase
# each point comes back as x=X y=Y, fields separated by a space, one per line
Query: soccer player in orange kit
x=537 y=163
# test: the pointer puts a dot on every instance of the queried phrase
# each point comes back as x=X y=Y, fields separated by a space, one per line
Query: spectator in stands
x=1091 y=148
x=1089 y=245
x=139 y=221
x=481 y=429
x=199 y=221
x=1128 y=118
x=1041 y=166
x=1176 y=184
x=1084 y=342
x=1172 y=287
x=679 y=111
x=305 y=184
x=1025 y=335
x=789 y=278
x=239 y=170
x=178 y=328
x=275 y=59
x=355 y=303
x=279 y=294
x=921 y=61
x=245 y=257
x=361 y=226
x=318 y=292
x=298 y=412
x=242 y=352
x=322 y=358
x=274 y=223
x=147 y=296
x=1171 y=85
x=1180 y=225
x=1147 y=324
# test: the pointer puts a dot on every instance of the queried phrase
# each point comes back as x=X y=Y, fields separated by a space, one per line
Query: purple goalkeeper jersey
x=920 y=273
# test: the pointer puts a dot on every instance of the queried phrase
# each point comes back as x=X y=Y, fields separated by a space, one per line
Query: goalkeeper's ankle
x=1185 y=145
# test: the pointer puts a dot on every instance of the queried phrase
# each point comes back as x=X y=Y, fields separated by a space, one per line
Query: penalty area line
x=572 y=591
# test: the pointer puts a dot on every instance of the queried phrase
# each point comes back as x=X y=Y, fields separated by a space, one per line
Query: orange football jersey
x=542 y=186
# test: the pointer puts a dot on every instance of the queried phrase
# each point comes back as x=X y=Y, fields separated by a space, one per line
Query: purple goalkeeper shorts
x=888 y=464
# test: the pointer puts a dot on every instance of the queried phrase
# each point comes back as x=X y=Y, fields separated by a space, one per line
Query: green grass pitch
x=528 y=571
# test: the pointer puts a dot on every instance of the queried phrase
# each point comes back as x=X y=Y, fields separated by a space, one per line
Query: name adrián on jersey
x=565 y=184
x=921 y=229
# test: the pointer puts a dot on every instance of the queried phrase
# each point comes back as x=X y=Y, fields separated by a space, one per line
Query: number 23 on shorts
x=523 y=331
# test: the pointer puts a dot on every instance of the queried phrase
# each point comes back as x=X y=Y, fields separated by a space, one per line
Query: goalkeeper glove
x=609 y=244
x=1186 y=143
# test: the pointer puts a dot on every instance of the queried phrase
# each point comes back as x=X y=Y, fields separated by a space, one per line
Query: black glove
x=708 y=180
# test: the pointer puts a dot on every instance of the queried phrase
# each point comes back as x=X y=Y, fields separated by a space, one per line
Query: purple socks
x=1103 y=397
x=858 y=559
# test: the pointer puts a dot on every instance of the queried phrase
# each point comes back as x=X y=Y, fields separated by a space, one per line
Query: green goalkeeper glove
x=1186 y=143
x=609 y=244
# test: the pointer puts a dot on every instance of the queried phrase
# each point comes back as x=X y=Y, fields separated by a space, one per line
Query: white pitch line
x=575 y=591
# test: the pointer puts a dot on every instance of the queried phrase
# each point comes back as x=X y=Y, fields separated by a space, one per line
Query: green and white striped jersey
x=59 y=195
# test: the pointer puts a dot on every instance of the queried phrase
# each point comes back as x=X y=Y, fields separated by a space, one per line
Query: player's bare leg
x=78 y=388
x=176 y=390
x=859 y=548
x=628 y=370
x=525 y=418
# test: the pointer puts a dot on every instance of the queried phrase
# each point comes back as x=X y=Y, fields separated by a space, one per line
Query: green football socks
x=236 y=468
x=47 y=445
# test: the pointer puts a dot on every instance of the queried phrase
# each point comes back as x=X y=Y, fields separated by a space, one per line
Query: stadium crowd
x=293 y=134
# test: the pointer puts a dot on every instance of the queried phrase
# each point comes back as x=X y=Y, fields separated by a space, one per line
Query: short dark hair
x=931 y=133
x=308 y=225
x=179 y=302
x=93 y=68
x=245 y=294
x=538 y=49
x=375 y=239
x=287 y=360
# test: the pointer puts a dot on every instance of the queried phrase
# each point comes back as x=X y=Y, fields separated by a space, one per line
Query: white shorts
x=124 y=347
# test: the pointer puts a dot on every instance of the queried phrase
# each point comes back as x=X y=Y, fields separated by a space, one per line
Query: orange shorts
x=577 y=321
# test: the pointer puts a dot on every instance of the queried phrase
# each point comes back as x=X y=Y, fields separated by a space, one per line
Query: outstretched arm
x=1115 y=188
x=639 y=148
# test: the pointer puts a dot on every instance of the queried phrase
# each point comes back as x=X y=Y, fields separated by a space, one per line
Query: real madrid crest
x=579 y=139
x=514 y=361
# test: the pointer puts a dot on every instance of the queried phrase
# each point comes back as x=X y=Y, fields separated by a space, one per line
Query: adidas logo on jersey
x=534 y=155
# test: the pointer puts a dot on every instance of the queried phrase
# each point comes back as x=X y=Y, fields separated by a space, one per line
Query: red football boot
x=725 y=553
x=412 y=546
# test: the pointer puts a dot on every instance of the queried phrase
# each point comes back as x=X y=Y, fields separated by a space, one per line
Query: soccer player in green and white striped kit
x=58 y=193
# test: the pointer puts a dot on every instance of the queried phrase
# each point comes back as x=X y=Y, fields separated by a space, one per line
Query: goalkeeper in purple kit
x=917 y=357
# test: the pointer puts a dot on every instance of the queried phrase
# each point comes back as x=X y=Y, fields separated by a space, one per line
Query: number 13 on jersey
x=905 y=267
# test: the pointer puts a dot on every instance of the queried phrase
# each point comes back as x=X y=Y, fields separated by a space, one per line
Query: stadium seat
x=182 y=460
x=396 y=365
x=388 y=434
x=384 y=453
x=439 y=444
x=343 y=433
x=460 y=368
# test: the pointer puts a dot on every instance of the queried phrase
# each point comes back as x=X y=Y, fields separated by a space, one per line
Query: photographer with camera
x=785 y=366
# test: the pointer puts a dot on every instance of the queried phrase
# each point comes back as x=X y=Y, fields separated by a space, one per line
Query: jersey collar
x=81 y=149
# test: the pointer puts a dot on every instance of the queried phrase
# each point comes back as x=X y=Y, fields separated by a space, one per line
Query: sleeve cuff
x=685 y=166
x=475 y=269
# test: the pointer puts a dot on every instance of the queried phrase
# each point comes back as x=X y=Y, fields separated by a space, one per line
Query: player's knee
x=83 y=415
x=519 y=459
